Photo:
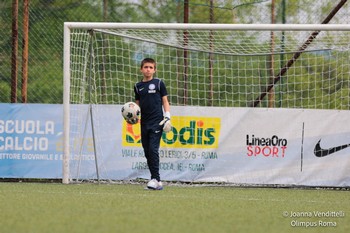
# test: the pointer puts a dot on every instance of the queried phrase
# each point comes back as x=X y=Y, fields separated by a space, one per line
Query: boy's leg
x=145 y=141
x=153 y=153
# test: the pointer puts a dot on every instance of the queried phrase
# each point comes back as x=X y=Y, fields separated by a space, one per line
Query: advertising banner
x=30 y=141
x=234 y=145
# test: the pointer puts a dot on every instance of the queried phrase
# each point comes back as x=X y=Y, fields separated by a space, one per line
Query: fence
x=46 y=18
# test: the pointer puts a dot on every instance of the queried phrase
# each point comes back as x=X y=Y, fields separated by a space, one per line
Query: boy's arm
x=166 y=105
x=166 y=121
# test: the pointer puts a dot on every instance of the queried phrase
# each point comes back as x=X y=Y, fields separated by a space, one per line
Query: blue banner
x=31 y=140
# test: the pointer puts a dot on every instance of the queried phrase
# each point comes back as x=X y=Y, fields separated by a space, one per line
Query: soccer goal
x=208 y=65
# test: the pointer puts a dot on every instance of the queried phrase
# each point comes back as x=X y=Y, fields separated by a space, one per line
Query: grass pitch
x=52 y=207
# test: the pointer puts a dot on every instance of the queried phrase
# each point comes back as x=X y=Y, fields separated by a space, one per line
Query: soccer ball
x=131 y=112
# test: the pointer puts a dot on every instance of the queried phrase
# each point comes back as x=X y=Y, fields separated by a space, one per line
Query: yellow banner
x=187 y=132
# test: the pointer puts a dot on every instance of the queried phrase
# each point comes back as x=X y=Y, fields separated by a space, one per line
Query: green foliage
x=235 y=83
x=46 y=39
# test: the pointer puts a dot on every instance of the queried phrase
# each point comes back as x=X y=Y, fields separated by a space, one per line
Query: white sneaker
x=155 y=185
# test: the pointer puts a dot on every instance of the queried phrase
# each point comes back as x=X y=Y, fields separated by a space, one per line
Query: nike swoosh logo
x=141 y=89
x=319 y=152
x=157 y=131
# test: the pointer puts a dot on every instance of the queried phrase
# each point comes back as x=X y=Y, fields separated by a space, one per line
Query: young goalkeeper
x=152 y=97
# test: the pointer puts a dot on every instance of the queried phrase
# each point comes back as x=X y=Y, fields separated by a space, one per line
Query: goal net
x=208 y=65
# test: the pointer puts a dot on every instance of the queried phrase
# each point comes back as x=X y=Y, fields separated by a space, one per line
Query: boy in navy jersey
x=152 y=97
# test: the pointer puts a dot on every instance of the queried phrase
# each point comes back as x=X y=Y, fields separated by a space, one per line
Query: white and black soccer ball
x=131 y=112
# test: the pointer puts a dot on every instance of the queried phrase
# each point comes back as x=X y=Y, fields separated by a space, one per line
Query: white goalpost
x=304 y=66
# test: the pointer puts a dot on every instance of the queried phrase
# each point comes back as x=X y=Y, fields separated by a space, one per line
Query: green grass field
x=53 y=207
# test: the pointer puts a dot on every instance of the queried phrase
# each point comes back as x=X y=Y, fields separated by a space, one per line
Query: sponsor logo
x=26 y=135
x=187 y=132
x=131 y=134
x=266 y=147
x=320 y=152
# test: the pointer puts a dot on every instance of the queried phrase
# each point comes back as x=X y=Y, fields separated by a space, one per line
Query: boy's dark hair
x=148 y=60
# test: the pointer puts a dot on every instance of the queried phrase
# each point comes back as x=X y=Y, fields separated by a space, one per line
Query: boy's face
x=148 y=70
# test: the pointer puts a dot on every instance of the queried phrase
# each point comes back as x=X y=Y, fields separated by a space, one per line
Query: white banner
x=245 y=145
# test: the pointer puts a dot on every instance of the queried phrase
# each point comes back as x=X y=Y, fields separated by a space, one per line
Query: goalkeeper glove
x=166 y=123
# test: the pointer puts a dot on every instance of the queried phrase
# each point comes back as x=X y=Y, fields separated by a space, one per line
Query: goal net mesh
x=226 y=68
x=214 y=68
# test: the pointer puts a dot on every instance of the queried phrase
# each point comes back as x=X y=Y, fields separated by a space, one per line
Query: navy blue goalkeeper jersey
x=150 y=95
